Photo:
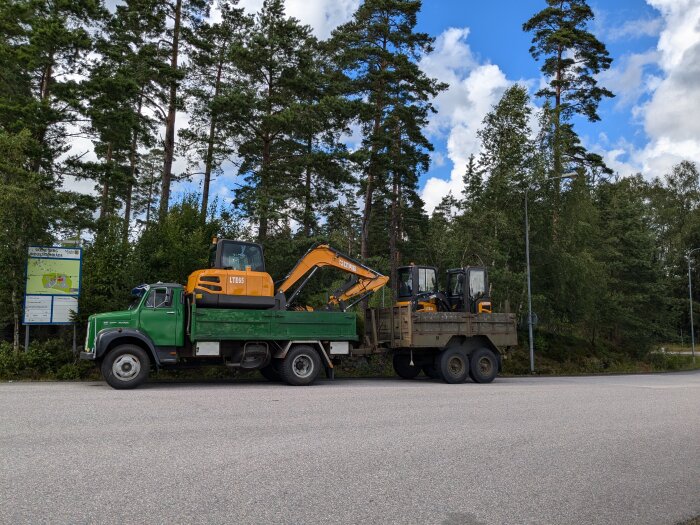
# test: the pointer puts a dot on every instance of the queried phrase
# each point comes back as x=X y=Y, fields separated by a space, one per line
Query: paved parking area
x=615 y=449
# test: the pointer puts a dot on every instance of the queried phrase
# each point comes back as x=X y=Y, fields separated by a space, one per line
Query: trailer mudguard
x=107 y=336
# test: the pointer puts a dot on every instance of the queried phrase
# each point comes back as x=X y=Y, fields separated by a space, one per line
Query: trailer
x=447 y=345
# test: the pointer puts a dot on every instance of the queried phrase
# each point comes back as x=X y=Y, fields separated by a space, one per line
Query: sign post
x=53 y=286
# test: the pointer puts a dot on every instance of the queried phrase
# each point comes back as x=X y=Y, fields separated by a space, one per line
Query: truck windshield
x=236 y=256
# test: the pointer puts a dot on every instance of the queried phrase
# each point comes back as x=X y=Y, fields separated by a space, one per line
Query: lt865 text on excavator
x=232 y=314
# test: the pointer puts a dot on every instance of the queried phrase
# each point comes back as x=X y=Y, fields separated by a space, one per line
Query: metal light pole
x=690 y=297
x=527 y=257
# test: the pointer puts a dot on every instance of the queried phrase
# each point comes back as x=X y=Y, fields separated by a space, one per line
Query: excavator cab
x=417 y=286
x=236 y=277
x=468 y=290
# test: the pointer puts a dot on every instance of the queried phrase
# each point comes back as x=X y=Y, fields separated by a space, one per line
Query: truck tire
x=126 y=366
x=453 y=365
x=484 y=366
x=431 y=372
x=403 y=368
x=301 y=366
x=270 y=373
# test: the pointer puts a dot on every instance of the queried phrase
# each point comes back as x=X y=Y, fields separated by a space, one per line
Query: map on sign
x=53 y=285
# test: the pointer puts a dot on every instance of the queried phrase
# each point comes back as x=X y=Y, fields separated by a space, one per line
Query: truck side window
x=159 y=298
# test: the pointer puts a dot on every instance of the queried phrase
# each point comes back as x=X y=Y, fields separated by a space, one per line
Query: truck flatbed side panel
x=214 y=324
x=399 y=327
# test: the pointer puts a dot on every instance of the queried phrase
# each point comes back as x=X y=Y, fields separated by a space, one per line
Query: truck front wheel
x=453 y=365
x=300 y=366
x=484 y=365
x=126 y=366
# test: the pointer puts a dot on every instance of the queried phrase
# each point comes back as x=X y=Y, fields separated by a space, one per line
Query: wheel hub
x=126 y=367
x=303 y=366
x=455 y=365
x=485 y=366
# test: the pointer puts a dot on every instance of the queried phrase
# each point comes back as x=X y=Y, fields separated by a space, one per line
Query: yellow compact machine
x=418 y=286
x=467 y=289
x=237 y=278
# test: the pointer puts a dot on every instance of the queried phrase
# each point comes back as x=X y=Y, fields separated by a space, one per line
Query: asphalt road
x=621 y=449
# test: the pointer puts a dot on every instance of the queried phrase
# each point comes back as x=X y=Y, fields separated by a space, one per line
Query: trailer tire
x=125 y=367
x=270 y=373
x=300 y=366
x=403 y=368
x=484 y=366
x=431 y=372
x=453 y=365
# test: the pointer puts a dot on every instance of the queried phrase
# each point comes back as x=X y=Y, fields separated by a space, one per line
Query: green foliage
x=274 y=104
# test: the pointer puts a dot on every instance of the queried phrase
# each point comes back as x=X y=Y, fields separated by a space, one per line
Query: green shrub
x=68 y=372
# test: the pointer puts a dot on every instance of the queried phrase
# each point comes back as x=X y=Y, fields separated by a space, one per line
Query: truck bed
x=215 y=324
x=399 y=327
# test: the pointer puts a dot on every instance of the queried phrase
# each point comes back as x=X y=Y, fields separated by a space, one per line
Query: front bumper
x=90 y=356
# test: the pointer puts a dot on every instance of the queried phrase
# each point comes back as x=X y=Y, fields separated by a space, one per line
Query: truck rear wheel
x=126 y=366
x=484 y=365
x=403 y=368
x=453 y=365
x=301 y=366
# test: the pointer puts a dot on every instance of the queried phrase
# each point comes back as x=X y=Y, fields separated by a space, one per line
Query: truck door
x=159 y=317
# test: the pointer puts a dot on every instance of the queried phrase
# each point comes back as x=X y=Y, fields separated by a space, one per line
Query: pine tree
x=271 y=68
x=187 y=16
x=573 y=57
x=377 y=51
x=210 y=75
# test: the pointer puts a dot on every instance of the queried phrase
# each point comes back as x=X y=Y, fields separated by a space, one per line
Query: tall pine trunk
x=104 y=199
x=132 y=177
x=169 y=143
x=208 y=162
x=263 y=222
x=308 y=208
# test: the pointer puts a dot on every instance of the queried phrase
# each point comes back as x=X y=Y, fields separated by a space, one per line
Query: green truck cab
x=164 y=329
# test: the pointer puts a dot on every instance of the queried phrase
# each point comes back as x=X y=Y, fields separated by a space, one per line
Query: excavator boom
x=365 y=280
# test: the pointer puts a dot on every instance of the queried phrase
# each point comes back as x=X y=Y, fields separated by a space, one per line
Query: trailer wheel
x=484 y=366
x=403 y=368
x=301 y=366
x=126 y=366
x=453 y=365
x=270 y=373
x=431 y=372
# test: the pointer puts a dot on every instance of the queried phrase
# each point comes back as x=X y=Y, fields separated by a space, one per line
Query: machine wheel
x=484 y=366
x=126 y=366
x=431 y=372
x=270 y=373
x=403 y=368
x=453 y=365
x=301 y=366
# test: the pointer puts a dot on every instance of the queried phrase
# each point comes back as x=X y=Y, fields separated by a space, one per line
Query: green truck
x=162 y=329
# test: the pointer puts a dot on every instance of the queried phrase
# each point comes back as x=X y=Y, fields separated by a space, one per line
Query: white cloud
x=672 y=116
x=629 y=79
x=636 y=29
x=322 y=15
x=474 y=89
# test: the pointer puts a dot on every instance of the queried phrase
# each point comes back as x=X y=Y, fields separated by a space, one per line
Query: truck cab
x=154 y=319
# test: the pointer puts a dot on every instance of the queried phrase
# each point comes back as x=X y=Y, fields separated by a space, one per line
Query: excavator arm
x=364 y=281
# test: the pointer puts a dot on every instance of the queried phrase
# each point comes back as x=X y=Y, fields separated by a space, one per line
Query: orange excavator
x=237 y=278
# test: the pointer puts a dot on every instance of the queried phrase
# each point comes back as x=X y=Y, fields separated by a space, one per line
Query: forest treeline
x=268 y=101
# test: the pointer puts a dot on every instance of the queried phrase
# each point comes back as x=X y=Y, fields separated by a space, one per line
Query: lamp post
x=690 y=297
x=527 y=258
